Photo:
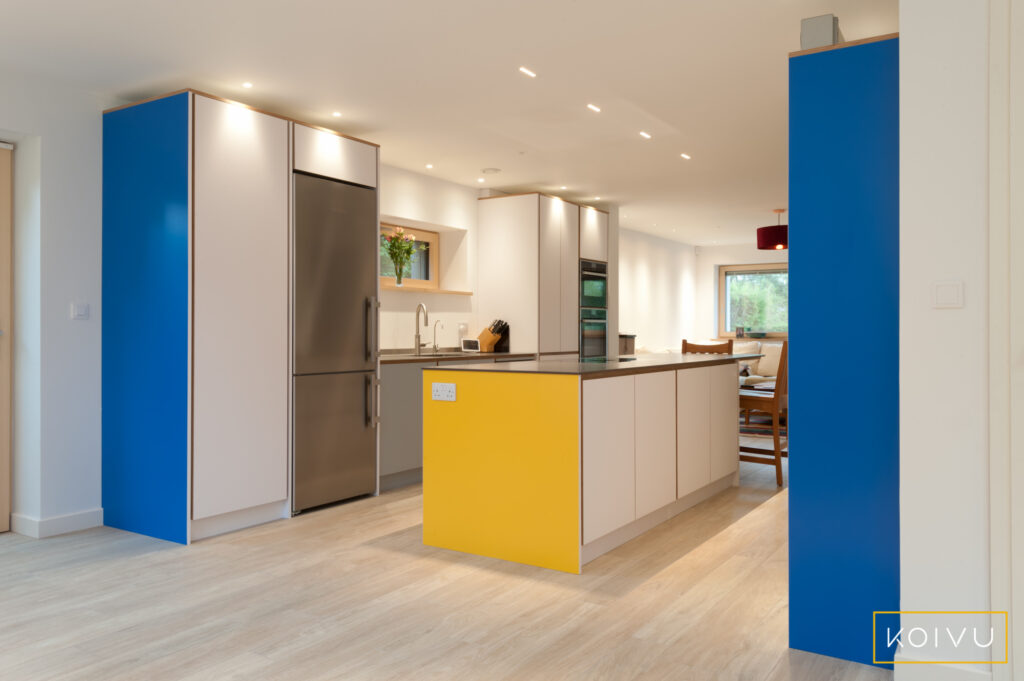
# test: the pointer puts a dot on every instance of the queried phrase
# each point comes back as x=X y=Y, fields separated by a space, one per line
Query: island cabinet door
x=693 y=439
x=609 y=490
x=655 y=441
x=725 y=408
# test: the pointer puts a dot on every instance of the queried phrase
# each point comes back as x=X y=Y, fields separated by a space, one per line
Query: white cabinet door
x=693 y=437
x=550 y=282
x=570 y=277
x=593 y=234
x=507 y=237
x=609 y=491
x=725 y=406
x=655 y=441
x=330 y=155
x=240 y=314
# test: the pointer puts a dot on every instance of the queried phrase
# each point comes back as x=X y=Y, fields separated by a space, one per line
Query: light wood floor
x=350 y=592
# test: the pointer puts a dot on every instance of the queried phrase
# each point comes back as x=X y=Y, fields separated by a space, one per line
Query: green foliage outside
x=758 y=301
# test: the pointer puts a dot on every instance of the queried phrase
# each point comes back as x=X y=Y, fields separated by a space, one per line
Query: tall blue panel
x=844 y=283
x=145 y=318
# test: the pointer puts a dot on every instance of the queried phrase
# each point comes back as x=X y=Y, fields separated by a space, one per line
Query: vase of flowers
x=399 y=247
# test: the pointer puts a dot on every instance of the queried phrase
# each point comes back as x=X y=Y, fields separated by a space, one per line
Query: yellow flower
x=412 y=237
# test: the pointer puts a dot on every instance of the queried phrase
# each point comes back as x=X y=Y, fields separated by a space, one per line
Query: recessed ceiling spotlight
x=564 y=187
x=528 y=72
x=645 y=135
x=247 y=85
x=594 y=108
x=686 y=156
x=597 y=198
x=430 y=166
x=479 y=179
x=336 y=114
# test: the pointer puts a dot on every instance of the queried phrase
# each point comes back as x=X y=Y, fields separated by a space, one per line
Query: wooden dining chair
x=717 y=348
x=769 y=402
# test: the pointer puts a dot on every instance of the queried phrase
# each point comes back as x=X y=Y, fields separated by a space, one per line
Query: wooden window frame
x=723 y=270
x=433 y=240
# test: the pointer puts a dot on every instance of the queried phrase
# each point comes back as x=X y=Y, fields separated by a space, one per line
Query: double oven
x=593 y=309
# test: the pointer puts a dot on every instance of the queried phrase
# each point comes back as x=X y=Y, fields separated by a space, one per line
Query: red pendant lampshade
x=774 y=237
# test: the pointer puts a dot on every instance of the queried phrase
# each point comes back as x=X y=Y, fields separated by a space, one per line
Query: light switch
x=947 y=295
x=79 y=311
x=442 y=392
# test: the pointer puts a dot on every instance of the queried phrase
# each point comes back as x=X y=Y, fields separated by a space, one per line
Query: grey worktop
x=408 y=357
x=621 y=366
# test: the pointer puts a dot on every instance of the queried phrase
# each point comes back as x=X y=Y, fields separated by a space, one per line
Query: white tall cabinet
x=240 y=309
x=196 y=303
x=593 y=234
x=529 y=248
x=559 y=294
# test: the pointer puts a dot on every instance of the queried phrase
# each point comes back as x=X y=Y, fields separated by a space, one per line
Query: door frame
x=6 y=336
x=1006 y=321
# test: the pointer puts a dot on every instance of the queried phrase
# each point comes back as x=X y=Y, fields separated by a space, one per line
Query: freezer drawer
x=335 y=439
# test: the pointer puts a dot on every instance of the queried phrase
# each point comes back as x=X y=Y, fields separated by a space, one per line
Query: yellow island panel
x=501 y=467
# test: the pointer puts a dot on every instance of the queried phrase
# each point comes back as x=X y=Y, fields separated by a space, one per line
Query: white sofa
x=762 y=369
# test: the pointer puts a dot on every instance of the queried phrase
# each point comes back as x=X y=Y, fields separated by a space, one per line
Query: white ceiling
x=438 y=82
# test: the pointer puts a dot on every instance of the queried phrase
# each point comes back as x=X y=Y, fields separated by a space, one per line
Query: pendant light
x=774 y=237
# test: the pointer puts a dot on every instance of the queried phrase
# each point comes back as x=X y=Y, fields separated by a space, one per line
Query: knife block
x=491 y=342
x=503 y=341
x=488 y=340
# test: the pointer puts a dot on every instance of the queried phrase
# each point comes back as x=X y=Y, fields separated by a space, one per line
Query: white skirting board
x=616 y=538
x=238 y=520
x=40 y=528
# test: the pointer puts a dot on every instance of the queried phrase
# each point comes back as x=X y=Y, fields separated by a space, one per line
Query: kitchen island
x=553 y=463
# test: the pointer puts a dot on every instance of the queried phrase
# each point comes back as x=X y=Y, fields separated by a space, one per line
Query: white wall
x=657 y=290
x=58 y=162
x=944 y=500
x=708 y=260
x=419 y=200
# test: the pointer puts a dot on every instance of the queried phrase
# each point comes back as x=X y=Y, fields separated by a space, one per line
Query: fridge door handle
x=368 y=401
x=371 y=327
x=375 y=404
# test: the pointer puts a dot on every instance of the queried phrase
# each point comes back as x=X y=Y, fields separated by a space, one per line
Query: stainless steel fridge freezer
x=334 y=341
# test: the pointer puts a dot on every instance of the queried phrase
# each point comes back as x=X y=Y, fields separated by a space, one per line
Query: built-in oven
x=593 y=309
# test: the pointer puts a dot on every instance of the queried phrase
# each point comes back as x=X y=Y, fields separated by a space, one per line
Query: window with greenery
x=755 y=297
x=422 y=272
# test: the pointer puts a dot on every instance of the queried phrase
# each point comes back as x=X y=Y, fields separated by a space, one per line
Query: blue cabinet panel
x=145 y=318
x=844 y=283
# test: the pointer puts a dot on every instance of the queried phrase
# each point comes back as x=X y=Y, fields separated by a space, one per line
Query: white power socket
x=442 y=392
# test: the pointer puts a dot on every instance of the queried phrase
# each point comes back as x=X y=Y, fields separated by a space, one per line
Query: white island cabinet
x=585 y=457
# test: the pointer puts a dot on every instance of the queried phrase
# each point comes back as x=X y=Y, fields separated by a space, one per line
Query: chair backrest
x=782 y=376
x=717 y=349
